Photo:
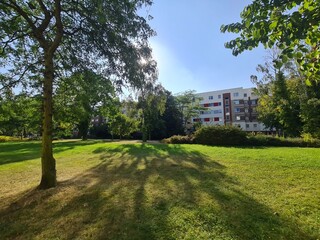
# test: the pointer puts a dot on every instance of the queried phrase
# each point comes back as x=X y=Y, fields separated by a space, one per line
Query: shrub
x=177 y=139
x=220 y=136
x=264 y=140
x=9 y=139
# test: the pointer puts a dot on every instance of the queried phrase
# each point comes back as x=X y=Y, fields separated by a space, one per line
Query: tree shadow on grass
x=23 y=151
x=143 y=191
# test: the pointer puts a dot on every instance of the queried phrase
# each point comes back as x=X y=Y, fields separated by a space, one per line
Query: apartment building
x=236 y=106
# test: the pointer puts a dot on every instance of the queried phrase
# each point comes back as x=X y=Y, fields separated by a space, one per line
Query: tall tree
x=294 y=26
x=189 y=106
x=38 y=36
x=310 y=110
x=81 y=97
x=279 y=95
x=152 y=100
x=171 y=122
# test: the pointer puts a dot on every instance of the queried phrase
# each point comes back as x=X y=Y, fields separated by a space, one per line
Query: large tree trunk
x=48 y=178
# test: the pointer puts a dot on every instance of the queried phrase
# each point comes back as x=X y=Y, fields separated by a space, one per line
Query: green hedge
x=220 y=136
x=234 y=136
x=264 y=140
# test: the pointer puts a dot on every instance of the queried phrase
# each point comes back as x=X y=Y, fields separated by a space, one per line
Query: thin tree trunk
x=48 y=178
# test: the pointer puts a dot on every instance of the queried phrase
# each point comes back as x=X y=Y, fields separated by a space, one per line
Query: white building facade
x=236 y=106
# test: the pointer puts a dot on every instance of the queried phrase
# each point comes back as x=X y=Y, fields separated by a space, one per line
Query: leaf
x=308 y=82
x=299 y=55
x=284 y=58
x=273 y=25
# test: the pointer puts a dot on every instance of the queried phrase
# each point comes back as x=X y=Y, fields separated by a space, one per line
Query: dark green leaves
x=294 y=26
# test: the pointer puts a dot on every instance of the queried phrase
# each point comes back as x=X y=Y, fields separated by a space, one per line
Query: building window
x=237 y=110
x=236 y=102
x=245 y=95
x=217 y=111
x=255 y=125
x=246 y=110
x=253 y=102
x=219 y=96
x=207 y=119
x=196 y=120
x=227 y=102
x=227 y=117
x=216 y=119
x=238 y=118
x=227 y=109
x=236 y=94
x=210 y=97
x=206 y=105
x=247 y=125
x=215 y=104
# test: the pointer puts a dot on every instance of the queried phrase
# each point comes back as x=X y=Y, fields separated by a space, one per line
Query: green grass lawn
x=156 y=191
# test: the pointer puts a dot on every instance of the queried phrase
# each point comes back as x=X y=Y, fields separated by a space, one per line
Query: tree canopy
x=293 y=26
x=189 y=105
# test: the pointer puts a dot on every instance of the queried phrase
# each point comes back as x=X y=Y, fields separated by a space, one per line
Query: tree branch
x=47 y=17
x=24 y=14
x=59 y=27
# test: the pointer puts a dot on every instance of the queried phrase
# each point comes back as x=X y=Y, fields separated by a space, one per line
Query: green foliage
x=19 y=115
x=189 y=105
x=104 y=36
x=280 y=97
x=170 y=121
x=79 y=98
x=152 y=101
x=44 y=39
x=294 y=26
x=178 y=139
x=220 y=136
x=100 y=131
x=9 y=139
x=264 y=140
x=121 y=125
x=311 y=117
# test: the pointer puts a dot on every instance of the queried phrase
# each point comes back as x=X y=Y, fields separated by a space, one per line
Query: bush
x=9 y=139
x=233 y=136
x=177 y=139
x=264 y=140
x=220 y=136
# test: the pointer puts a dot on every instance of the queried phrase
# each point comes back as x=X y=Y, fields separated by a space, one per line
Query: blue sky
x=189 y=46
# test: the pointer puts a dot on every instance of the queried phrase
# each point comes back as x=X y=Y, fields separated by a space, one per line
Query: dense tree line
x=85 y=96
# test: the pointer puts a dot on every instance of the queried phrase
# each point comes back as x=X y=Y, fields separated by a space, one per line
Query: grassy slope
x=136 y=191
